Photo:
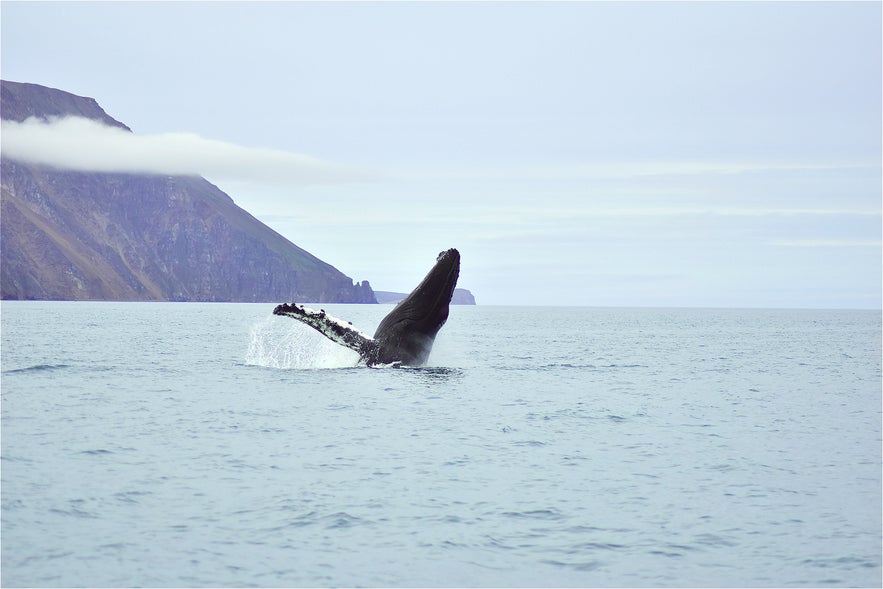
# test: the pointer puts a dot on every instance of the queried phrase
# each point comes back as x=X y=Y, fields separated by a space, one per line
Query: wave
x=37 y=368
x=589 y=366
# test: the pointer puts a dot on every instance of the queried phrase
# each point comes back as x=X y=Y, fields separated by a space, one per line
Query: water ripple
x=37 y=368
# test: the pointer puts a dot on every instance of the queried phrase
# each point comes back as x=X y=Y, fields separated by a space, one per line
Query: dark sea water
x=217 y=445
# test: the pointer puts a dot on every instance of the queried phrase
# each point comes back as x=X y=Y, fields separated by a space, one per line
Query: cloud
x=613 y=170
x=829 y=243
x=77 y=143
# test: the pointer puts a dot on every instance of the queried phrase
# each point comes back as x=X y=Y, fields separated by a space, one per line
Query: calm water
x=217 y=445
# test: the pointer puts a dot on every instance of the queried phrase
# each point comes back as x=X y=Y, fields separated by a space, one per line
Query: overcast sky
x=614 y=154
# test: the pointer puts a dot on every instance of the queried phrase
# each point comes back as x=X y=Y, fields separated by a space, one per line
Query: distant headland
x=461 y=297
x=71 y=235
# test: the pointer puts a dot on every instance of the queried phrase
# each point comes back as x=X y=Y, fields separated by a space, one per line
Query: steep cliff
x=68 y=235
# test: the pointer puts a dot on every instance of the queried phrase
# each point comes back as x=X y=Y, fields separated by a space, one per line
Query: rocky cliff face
x=21 y=101
x=94 y=236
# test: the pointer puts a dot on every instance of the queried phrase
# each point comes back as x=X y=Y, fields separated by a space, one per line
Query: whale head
x=406 y=335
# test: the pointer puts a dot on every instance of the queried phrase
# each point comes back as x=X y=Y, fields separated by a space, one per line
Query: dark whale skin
x=406 y=335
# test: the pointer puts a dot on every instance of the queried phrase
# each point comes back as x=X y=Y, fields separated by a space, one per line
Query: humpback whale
x=406 y=334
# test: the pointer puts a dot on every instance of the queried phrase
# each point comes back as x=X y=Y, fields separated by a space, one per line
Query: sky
x=684 y=154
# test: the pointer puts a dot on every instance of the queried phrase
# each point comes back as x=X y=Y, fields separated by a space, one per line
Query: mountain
x=461 y=297
x=69 y=235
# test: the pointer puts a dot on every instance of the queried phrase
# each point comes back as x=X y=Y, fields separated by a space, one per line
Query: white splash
x=292 y=345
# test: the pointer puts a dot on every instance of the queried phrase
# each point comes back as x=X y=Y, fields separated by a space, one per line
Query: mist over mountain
x=81 y=235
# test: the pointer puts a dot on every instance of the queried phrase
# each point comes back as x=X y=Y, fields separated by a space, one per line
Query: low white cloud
x=618 y=170
x=77 y=143
x=829 y=243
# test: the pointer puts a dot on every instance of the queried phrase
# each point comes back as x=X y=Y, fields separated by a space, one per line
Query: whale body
x=406 y=334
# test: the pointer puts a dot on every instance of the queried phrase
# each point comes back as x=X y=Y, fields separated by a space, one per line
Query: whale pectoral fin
x=338 y=331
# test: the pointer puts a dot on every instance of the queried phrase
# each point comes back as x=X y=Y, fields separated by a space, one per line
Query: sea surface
x=195 y=445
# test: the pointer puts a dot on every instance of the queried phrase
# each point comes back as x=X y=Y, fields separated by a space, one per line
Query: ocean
x=194 y=445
